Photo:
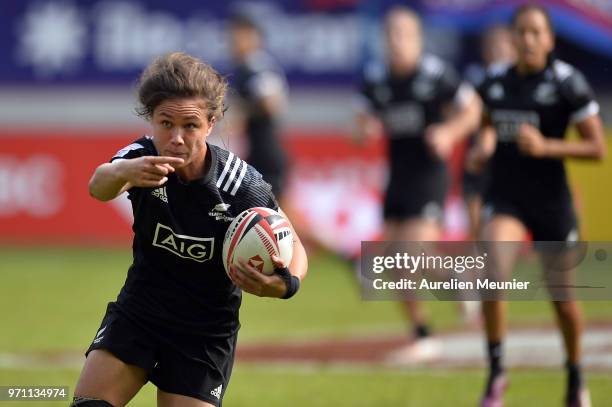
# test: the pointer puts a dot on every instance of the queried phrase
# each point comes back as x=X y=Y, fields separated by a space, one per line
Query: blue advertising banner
x=316 y=41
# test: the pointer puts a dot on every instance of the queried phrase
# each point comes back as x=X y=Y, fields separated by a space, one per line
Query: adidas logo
x=160 y=193
x=217 y=392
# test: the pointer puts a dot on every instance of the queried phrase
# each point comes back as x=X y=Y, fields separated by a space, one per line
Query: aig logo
x=198 y=249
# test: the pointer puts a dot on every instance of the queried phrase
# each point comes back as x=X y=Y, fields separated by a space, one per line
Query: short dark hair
x=179 y=75
x=527 y=7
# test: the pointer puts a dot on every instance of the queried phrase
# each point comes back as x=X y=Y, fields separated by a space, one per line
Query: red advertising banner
x=43 y=189
x=335 y=185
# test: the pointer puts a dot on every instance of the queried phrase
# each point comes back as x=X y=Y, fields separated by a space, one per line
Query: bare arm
x=367 y=127
x=442 y=137
x=467 y=119
x=482 y=150
x=270 y=93
x=107 y=182
x=299 y=262
x=112 y=179
x=591 y=145
x=272 y=105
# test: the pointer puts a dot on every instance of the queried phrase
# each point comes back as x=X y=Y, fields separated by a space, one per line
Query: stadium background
x=67 y=104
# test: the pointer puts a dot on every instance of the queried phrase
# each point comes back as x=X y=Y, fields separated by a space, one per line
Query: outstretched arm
x=112 y=179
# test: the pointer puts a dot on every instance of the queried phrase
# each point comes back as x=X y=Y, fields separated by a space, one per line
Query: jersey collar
x=210 y=165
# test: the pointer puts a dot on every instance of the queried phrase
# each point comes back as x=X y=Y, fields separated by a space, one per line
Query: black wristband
x=292 y=282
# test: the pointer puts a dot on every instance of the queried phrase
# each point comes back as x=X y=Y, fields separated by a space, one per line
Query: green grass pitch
x=52 y=300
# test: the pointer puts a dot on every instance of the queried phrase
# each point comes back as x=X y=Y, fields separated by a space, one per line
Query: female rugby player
x=262 y=94
x=497 y=47
x=424 y=109
x=175 y=321
x=529 y=107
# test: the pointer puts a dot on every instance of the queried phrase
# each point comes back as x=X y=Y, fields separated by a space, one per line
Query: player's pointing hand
x=148 y=171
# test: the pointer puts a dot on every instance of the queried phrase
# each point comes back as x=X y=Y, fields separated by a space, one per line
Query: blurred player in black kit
x=175 y=321
x=259 y=100
x=528 y=108
x=262 y=93
x=497 y=47
x=424 y=109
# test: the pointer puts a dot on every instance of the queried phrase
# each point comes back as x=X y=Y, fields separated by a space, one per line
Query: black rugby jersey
x=177 y=279
x=549 y=100
x=253 y=80
x=406 y=106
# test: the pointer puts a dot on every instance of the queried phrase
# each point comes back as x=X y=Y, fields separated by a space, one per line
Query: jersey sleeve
x=267 y=83
x=256 y=192
x=136 y=149
x=363 y=100
x=453 y=89
x=371 y=93
x=580 y=97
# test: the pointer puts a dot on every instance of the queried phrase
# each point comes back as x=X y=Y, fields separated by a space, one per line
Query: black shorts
x=474 y=185
x=547 y=220
x=191 y=366
x=416 y=198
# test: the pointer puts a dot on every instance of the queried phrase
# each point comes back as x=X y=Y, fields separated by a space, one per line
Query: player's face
x=243 y=41
x=533 y=39
x=403 y=36
x=180 y=128
x=498 y=47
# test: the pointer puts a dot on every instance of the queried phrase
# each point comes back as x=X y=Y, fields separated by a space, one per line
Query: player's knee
x=89 y=402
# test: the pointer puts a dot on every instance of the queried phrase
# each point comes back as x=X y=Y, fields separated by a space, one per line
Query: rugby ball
x=255 y=235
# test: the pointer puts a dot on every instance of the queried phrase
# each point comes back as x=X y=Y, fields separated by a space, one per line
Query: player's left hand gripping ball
x=256 y=236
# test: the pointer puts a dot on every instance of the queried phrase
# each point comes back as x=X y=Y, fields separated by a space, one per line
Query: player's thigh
x=390 y=229
x=502 y=237
x=559 y=262
x=555 y=235
x=107 y=378
x=165 y=399
x=412 y=229
x=503 y=228
x=419 y=229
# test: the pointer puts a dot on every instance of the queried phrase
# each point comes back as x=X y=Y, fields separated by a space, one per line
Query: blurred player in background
x=262 y=93
x=497 y=47
x=424 y=109
x=258 y=103
x=528 y=108
x=175 y=321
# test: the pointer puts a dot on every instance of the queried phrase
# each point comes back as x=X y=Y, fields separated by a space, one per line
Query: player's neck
x=524 y=69
x=244 y=57
x=404 y=70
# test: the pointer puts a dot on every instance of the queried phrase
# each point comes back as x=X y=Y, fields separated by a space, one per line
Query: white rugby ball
x=255 y=235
